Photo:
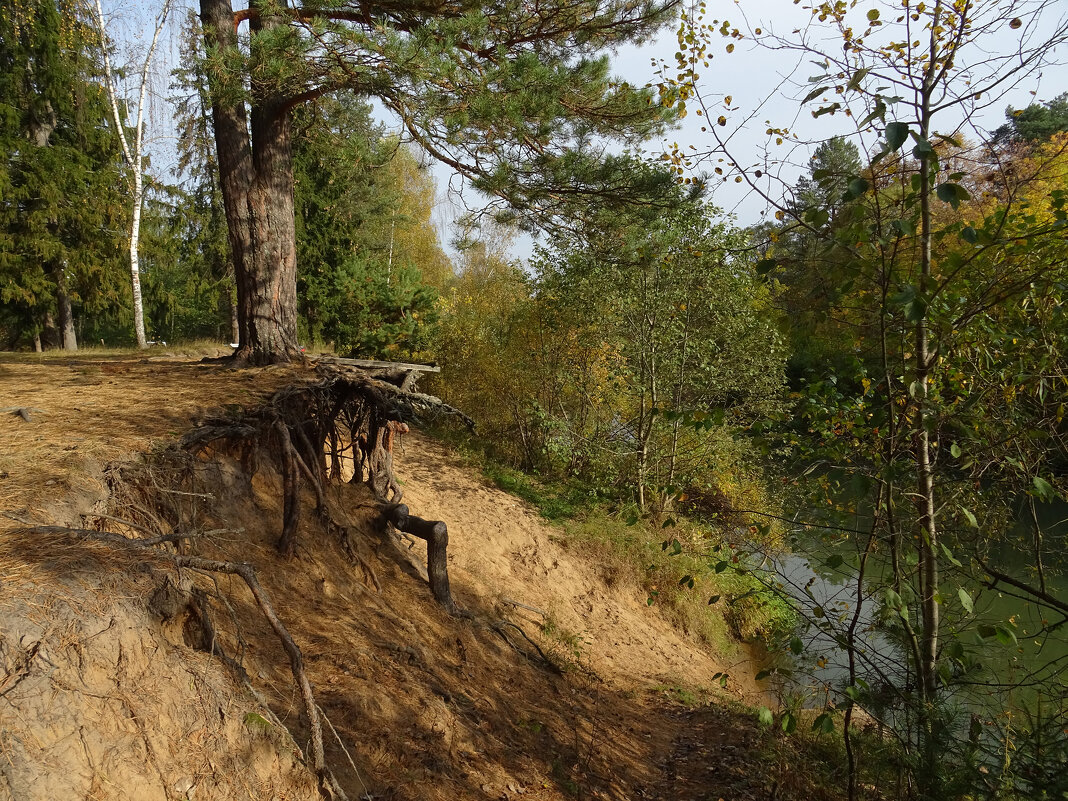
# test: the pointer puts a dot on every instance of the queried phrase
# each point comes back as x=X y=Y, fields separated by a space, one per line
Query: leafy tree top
x=516 y=97
x=1036 y=123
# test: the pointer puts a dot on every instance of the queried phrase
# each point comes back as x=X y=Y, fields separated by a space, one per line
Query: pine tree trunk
x=49 y=332
x=271 y=283
x=257 y=189
x=66 y=313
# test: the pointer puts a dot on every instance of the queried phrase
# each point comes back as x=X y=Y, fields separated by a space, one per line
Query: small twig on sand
x=519 y=605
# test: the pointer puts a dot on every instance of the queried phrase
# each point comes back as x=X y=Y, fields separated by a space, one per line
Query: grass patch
x=689 y=697
x=677 y=569
x=554 y=501
x=564 y=648
x=809 y=764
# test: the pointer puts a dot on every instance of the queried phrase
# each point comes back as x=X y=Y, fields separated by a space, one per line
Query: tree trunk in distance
x=235 y=326
x=49 y=332
x=135 y=261
x=232 y=148
x=66 y=313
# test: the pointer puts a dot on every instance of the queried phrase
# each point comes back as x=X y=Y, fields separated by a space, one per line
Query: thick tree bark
x=271 y=283
x=256 y=174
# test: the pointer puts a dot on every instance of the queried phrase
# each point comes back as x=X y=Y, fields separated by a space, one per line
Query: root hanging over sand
x=346 y=423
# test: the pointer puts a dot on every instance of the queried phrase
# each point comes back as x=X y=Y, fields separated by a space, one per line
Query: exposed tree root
x=327 y=783
x=519 y=605
x=501 y=627
x=436 y=536
x=345 y=422
x=348 y=420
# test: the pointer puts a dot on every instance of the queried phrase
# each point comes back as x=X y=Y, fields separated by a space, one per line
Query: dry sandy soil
x=103 y=695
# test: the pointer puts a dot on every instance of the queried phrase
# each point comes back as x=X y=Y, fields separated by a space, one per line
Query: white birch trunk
x=134 y=157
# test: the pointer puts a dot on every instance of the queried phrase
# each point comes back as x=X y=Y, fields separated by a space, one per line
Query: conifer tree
x=204 y=249
x=360 y=221
x=57 y=174
x=513 y=96
x=1034 y=124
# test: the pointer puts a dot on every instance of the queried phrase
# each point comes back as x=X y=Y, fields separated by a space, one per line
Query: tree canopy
x=516 y=98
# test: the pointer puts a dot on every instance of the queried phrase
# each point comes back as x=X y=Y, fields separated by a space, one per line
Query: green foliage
x=189 y=275
x=1034 y=124
x=563 y=647
x=188 y=279
x=833 y=166
x=557 y=502
x=692 y=576
x=931 y=280
x=677 y=344
x=59 y=170
x=510 y=96
x=493 y=345
x=372 y=313
x=364 y=238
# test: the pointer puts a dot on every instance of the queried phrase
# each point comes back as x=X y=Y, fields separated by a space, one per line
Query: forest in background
x=882 y=362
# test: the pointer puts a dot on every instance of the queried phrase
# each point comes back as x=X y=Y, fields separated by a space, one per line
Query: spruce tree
x=203 y=254
x=57 y=175
x=362 y=218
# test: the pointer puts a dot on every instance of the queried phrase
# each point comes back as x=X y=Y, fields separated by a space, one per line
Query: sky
x=765 y=86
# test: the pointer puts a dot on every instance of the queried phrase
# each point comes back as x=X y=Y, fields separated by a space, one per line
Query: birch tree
x=133 y=153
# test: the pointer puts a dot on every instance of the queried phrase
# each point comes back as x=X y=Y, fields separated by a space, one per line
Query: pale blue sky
x=764 y=85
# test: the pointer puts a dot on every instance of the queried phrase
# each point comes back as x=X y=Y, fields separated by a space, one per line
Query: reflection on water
x=1023 y=651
